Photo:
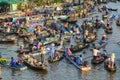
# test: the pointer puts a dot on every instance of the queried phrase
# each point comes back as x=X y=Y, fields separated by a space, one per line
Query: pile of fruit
x=3 y=61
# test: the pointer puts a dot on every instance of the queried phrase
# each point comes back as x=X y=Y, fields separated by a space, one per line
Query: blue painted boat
x=19 y=67
x=82 y=68
x=100 y=44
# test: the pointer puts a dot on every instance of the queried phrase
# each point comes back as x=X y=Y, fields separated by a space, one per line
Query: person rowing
x=80 y=60
x=96 y=53
x=13 y=62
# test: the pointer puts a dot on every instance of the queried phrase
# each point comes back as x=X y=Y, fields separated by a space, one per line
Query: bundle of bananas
x=3 y=61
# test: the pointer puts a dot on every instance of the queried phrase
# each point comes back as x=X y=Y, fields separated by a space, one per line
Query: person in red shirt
x=69 y=52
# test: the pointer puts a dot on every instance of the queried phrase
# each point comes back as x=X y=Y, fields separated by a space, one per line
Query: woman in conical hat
x=112 y=59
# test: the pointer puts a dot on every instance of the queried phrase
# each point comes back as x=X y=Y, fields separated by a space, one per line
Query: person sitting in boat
x=25 y=56
x=34 y=48
x=68 y=52
x=57 y=56
x=108 y=62
x=52 y=50
x=38 y=45
x=13 y=62
x=21 y=48
x=25 y=39
x=19 y=62
x=85 y=64
x=79 y=60
x=103 y=39
x=96 y=53
x=86 y=34
x=112 y=58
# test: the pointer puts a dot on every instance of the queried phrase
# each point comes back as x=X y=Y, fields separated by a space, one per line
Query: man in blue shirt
x=80 y=60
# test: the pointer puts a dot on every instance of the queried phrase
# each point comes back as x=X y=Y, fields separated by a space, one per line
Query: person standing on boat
x=13 y=62
x=112 y=60
x=52 y=50
x=79 y=61
x=43 y=52
x=95 y=53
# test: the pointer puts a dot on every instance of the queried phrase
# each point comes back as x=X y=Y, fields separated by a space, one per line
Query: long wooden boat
x=35 y=67
x=99 y=45
x=7 y=41
x=109 y=68
x=79 y=47
x=76 y=65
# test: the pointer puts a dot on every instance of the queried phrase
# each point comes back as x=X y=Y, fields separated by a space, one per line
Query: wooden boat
x=19 y=67
x=40 y=67
x=11 y=40
x=79 y=47
x=56 y=59
x=88 y=68
x=99 y=44
x=91 y=37
x=99 y=59
x=109 y=68
x=109 y=31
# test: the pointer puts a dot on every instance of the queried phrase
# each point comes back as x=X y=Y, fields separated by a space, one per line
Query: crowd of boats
x=58 y=36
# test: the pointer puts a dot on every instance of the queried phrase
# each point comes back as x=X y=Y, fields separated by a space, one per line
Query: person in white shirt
x=95 y=53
